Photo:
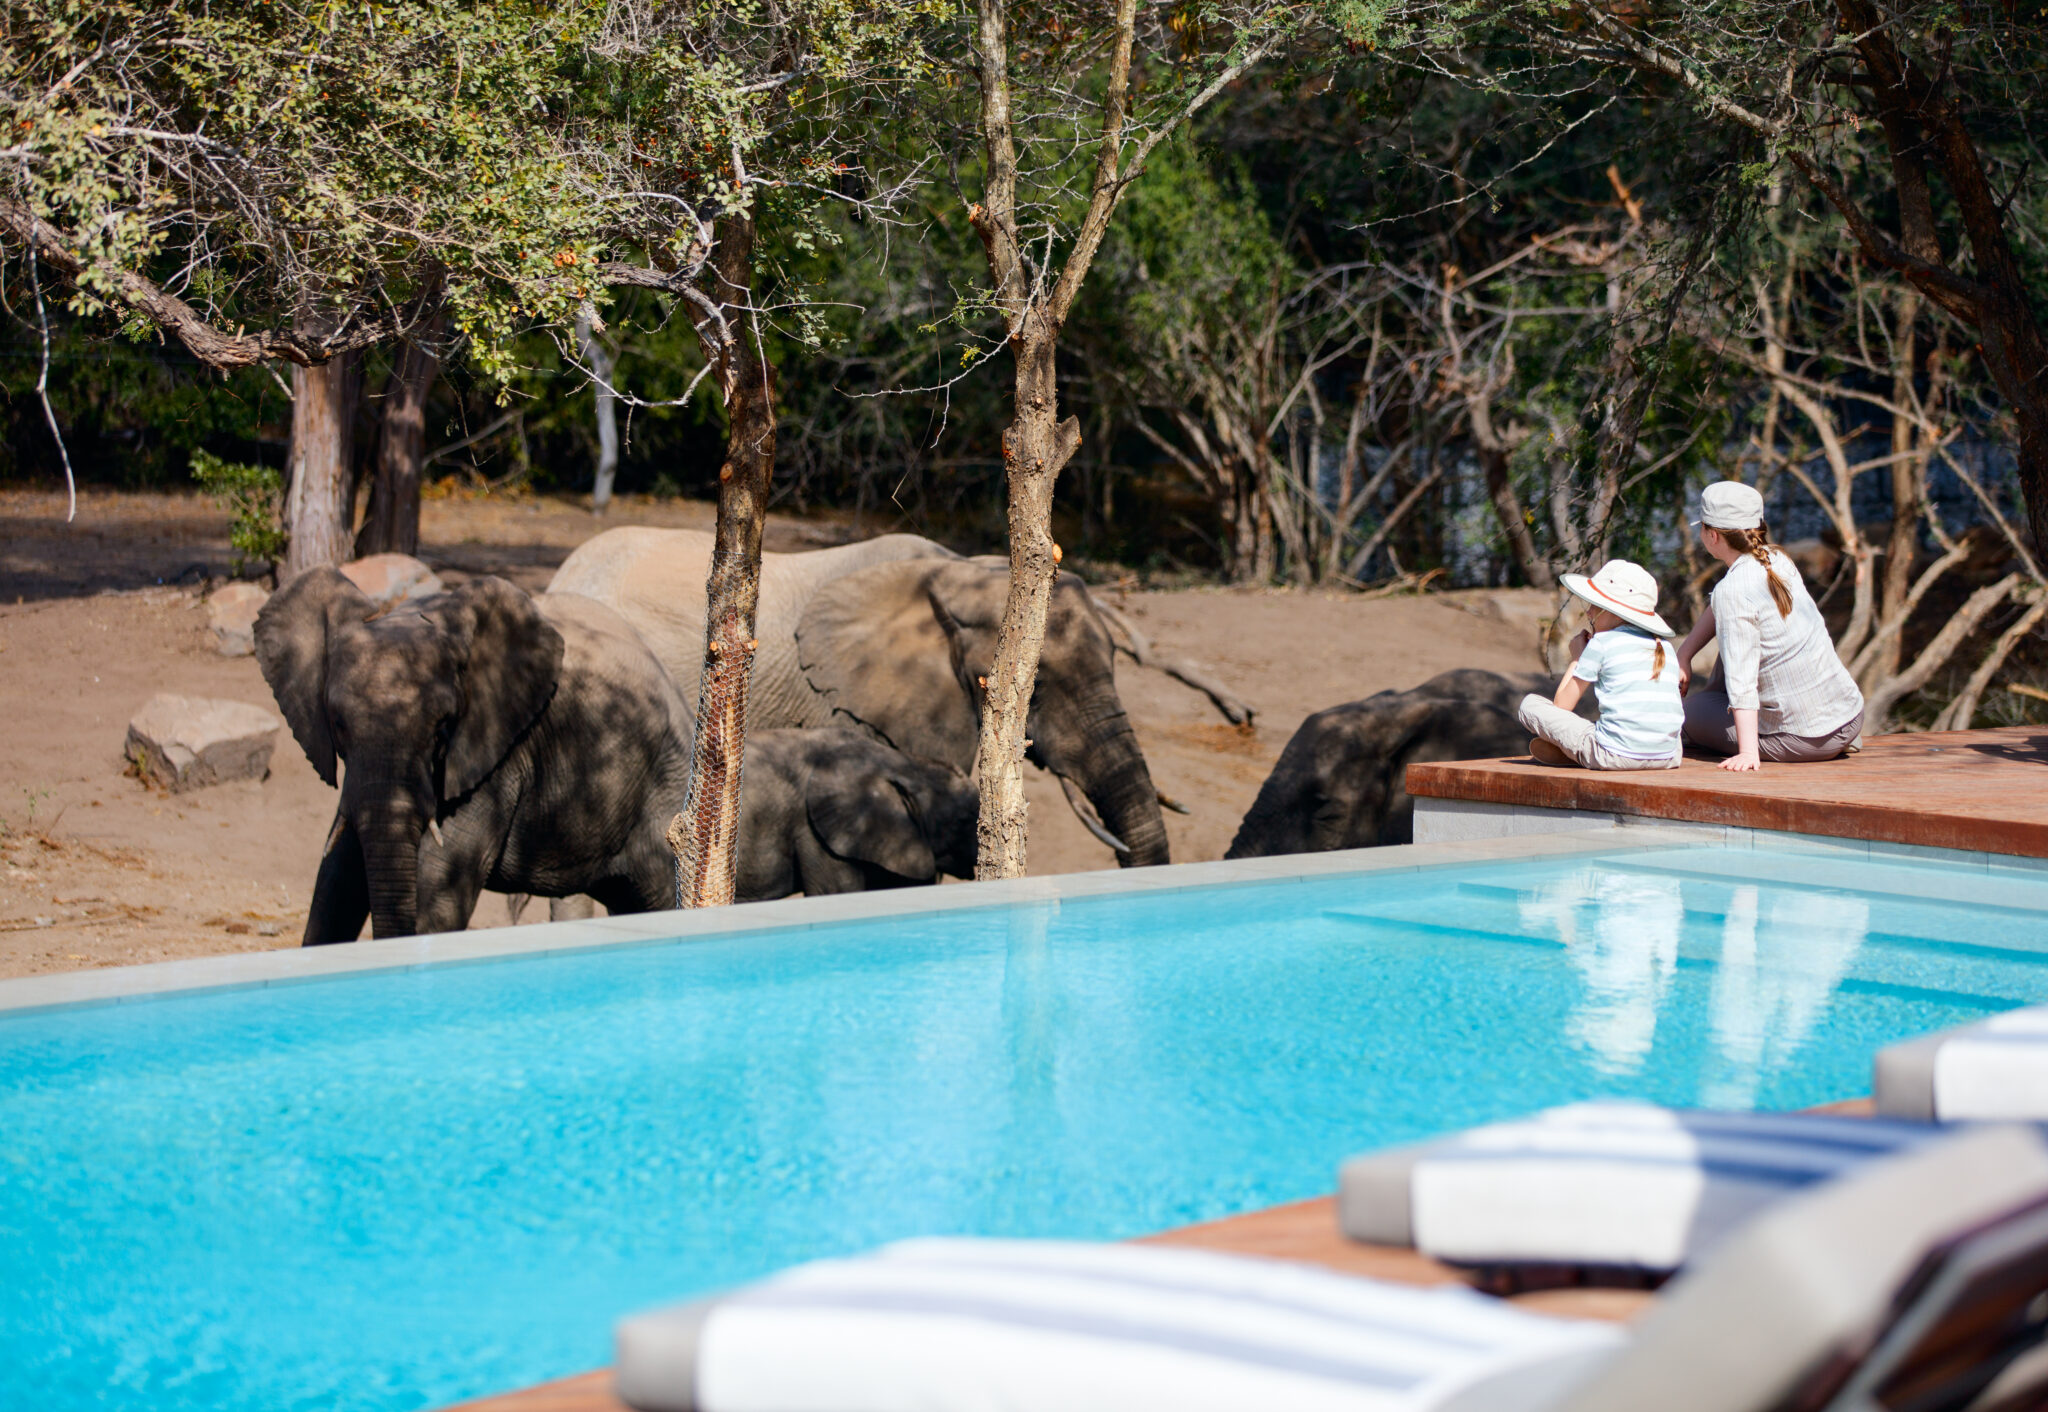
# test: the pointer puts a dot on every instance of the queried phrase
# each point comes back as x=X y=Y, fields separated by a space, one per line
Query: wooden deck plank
x=1982 y=791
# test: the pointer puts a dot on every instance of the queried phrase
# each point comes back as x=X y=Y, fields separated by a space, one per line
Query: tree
x=711 y=120
x=1032 y=293
x=1955 y=93
x=342 y=174
x=297 y=182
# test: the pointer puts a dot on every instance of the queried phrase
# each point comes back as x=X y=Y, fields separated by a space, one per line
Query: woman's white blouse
x=1784 y=669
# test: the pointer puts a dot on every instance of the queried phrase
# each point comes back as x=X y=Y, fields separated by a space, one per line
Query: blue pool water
x=395 y=1191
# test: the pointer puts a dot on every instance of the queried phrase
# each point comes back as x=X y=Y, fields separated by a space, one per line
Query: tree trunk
x=705 y=835
x=601 y=363
x=391 y=525
x=1908 y=481
x=1242 y=524
x=320 y=503
x=1923 y=124
x=1514 y=521
x=1035 y=447
x=1037 y=443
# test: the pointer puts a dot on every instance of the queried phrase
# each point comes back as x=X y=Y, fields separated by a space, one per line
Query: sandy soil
x=96 y=869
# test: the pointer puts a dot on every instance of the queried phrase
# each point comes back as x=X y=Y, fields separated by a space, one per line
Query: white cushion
x=966 y=1325
x=1994 y=1070
x=1608 y=1184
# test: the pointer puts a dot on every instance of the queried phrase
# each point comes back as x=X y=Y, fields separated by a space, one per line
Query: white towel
x=1025 y=1326
x=1994 y=1070
x=1626 y=1184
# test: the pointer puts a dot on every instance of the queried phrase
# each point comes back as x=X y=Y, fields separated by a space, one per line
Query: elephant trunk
x=1113 y=775
x=388 y=821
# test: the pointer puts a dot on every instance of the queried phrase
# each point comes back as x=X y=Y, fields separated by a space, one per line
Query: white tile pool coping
x=292 y=966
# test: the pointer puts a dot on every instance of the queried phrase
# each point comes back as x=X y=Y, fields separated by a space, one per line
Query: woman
x=1780 y=692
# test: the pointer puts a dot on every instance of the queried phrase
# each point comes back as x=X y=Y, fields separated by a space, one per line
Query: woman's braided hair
x=1756 y=543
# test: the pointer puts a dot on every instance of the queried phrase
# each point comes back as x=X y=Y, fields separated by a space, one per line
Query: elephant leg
x=453 y=869
x=638 y=885
x=819 y=873
x=577 y=907
x=341 y=890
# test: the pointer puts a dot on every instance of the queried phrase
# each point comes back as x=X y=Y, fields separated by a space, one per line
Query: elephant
x=489 y=738
x=893 y=635
x=834 y=810
x=1340 y=781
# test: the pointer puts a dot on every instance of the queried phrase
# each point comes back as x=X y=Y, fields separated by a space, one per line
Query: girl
x=1780 y=692
x=1622 y=654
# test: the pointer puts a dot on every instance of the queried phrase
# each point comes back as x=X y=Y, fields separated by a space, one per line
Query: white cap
x=1629 y=591
x=1729 y=504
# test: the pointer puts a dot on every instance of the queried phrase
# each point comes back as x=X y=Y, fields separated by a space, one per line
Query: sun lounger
x=1994 y=1070
x=1618 y=1186
x=1920 y=1271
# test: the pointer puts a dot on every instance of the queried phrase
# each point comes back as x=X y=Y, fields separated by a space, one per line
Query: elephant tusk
x=1174 y=804
x=1086 y=814
x=434 y=828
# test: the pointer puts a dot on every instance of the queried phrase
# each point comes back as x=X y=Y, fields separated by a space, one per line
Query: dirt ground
x=97 y=869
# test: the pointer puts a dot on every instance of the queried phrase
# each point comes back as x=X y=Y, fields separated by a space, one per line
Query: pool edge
x=69 y=990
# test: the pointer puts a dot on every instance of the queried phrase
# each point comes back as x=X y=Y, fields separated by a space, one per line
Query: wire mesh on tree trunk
x=705 y=836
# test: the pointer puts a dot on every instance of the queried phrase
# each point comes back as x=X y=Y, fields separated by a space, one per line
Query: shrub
x=254 y=498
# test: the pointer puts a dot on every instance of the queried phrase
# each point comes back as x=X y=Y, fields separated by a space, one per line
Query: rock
x=392 y=578
x=187 y=742
x=231 y=613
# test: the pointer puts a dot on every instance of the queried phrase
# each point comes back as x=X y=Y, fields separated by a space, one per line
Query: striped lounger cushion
x=1624 y=1185
x=1065 y=1327
x=1996 y=1069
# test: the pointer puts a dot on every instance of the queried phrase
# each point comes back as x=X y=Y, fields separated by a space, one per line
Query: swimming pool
x=401 y=1189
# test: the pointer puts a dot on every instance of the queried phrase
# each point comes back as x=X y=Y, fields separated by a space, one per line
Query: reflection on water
x=1774 y=981
x=1621 y=932
x=1777 y=958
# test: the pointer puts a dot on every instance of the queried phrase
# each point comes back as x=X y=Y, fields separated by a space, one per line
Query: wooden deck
x=1983 y=791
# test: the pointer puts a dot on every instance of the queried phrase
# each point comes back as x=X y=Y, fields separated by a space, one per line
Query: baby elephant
x=835 y=810
x=491 y=739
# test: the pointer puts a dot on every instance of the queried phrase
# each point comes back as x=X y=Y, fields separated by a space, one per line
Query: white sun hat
x=1729 y=504
x=1626 y=590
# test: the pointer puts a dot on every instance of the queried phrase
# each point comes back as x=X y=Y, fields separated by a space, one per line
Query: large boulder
x=231 y=614
x=187 y=742
x=386 y=579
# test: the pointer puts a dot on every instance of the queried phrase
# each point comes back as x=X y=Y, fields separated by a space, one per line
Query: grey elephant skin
x=487 y=739
x=1341 y=781
x=893 y=635
x=834 y=810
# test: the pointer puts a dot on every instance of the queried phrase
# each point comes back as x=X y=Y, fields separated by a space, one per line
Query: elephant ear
x=1428 y=730
x=888 y=648
x=511 y=661
x=859 y=812
x=292 y=633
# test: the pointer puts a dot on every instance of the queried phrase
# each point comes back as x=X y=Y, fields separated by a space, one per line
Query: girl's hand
x=1579 y=643
x=1684 y=676
x=1745 y=760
